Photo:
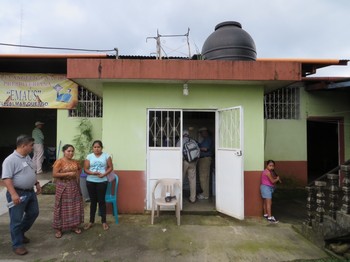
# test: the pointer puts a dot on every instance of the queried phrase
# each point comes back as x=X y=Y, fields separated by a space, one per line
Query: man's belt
x=25 y=190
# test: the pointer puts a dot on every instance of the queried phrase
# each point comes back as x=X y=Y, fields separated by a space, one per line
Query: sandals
x=88 y=226
x=58 y=234
x=76 y=230
x=105 y=226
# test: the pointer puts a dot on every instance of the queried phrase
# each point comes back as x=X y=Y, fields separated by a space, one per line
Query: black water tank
x=229 y=42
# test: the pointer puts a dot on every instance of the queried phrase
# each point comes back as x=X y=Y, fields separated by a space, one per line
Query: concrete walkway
x=199 y=238
x=43 y=179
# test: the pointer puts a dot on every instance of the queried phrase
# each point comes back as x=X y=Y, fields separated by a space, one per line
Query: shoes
x=20 y=251
x=265 y=216
x=192 y=202
x=272 y=220
x=201 y=197
x=25 y=240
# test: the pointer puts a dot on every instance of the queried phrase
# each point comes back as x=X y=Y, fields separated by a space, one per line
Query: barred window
x=89 y=105
x=282 y=104
x=164 y=128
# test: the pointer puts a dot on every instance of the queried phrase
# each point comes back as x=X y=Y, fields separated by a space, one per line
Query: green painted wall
x=125 y=111
x=285 y=140
x=67 y=128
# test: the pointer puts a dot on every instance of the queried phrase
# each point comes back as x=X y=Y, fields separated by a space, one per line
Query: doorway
x=193 y=121
x=17 y=121
x=323 y=153
x=164 y=155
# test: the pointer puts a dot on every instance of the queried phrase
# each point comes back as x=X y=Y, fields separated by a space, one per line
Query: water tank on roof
x=229 y=42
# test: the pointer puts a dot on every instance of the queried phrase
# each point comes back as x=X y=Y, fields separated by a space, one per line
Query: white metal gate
x=229 y=162
x=164 y=156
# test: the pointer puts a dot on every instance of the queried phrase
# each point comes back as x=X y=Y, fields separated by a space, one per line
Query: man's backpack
x=191 y=150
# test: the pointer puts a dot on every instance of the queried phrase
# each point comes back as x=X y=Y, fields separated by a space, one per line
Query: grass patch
x=48 y=189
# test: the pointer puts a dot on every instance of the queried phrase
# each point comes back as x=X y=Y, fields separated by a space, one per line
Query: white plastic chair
x=171 y=187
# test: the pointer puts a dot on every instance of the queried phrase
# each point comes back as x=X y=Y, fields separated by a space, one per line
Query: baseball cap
x=38 y=123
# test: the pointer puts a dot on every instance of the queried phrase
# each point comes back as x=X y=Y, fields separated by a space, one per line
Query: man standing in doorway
x=38 y=156
x=190 y=163
x=204 y=162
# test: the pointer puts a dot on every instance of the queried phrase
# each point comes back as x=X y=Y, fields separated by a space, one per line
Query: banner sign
x=37 y=91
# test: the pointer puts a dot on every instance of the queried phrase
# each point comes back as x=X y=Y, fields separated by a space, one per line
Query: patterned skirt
x=69 y=207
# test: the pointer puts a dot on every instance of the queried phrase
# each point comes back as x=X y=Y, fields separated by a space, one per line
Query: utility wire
x=58 y=48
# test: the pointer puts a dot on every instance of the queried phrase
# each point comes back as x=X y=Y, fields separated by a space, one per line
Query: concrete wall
x=125 y=131
x=125 y=112
x=67 y=128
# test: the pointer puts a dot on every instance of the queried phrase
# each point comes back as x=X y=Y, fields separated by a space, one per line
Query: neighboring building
x=144 y=104
x=315 y=139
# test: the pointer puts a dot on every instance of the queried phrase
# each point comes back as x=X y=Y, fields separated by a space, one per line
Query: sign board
x=37 y=91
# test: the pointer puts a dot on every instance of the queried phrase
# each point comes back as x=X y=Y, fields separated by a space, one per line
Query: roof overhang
x=310 y=66
x=39 y=63
x=93 y=73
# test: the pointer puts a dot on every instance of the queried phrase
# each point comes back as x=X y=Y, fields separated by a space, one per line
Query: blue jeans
x=22 y=216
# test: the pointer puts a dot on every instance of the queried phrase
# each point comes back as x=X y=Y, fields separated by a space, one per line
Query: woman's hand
x=70 y=174
x=101 y=175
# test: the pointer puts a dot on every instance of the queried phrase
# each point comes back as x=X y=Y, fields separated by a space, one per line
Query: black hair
x=24 y=140
x=66 y=146
x=270 y=161
x=273 y=162
x=99 y=142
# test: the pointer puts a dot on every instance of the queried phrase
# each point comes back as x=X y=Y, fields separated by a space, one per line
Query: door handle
x=238 y=153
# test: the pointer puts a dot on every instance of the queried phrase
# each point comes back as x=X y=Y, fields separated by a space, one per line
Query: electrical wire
x=58 y=48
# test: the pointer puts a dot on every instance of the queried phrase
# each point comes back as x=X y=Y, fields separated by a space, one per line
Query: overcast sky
x=280 y=28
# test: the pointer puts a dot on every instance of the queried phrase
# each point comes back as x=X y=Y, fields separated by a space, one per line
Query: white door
x=229 y=162
x=164 y=156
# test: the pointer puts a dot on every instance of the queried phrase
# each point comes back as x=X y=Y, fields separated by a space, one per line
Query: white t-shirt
x=97 y=164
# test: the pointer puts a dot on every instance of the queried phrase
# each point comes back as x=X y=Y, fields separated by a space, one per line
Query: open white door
x=164 y=157
x=229 y=162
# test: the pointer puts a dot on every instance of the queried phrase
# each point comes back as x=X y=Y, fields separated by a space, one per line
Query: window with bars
x=89 y=104
x=282 y=104
x=164 y=128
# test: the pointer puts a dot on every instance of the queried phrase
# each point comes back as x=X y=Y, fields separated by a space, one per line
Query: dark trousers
x=97 y=192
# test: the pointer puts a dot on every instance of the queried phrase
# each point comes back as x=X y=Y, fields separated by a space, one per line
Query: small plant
x=82 y=141
x=49 y=189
